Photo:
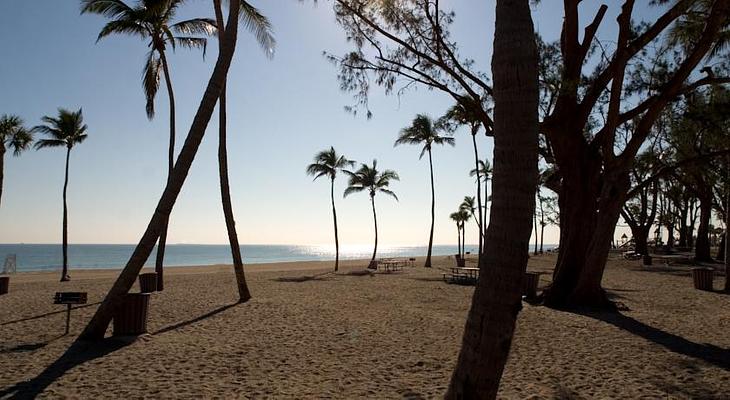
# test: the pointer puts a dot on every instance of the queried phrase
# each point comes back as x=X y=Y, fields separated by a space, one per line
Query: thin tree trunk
x=463 y=239
x=2 y=169
x=375 y=220
x=702 y=247
x=542 y=224
x=534 y=249
x=64 y=270
x=334 y=216
x=170 y=164
x=100 y=321
x=458 y=239
x=486 y=213
x=496 y=301
x=243 y=292
x=433 y=212
x=479 y=194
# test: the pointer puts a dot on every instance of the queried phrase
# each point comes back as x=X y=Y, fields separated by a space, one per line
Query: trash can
x=130 y=318
x=148 y=282
x=529 y=288
x=4 y=284
x=702 y=278
x=647 y=259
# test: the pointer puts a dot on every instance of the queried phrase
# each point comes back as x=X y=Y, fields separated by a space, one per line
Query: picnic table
x=391 y=264
x=462 y=275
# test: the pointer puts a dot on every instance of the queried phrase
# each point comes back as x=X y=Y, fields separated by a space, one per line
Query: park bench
x=69 y=299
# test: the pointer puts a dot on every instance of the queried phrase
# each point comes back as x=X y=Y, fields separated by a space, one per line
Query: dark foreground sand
x=384 y=336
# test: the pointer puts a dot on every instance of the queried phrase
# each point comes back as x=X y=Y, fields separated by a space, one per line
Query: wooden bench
x=69 y=299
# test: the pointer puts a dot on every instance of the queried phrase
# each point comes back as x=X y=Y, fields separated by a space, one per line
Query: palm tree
x=467 y=207
x=67 y=130
x=100 y=321
x=465 y=112
x=151 y=20
x=496 y=302
x=483 y=172
x=370 y=179
x=424 y=132
x=456 y=217
x=14 y=136
x=261 y=28
x=327 y=163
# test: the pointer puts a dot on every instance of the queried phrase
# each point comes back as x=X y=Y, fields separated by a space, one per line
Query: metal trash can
x=148 y=282
x=702 y=278
x=4 y=284
x=130 y=318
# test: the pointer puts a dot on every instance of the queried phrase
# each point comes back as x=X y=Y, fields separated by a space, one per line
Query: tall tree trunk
x=702 y=247
x=375 y=221
x=727 y=230
x=479 y=193
x=2 y=168
x=243 y=292
x=496 y=301
x=641 y=238
x=486 y=212
x=463 y=239
x=683 y=224
x=100 y=321
x=433 y=212
x=534 y=216
x=334 y=216
x=692 y=221
x=64 y=270
x=458 y=239
x=542 y=224
x=170 y=164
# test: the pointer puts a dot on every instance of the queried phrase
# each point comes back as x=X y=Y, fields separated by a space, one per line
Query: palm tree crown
x=68 y=129
x=151 y=20
x=423 y=131
x=14 y=135
x=485 y=170
x=327 y=163
x=369 y=178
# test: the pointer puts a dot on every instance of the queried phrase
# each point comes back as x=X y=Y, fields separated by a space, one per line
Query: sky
x=281 y=112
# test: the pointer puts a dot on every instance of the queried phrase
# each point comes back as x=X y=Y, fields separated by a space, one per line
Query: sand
x=384 y=336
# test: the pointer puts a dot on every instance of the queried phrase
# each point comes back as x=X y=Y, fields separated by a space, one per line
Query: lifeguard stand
x=10 y=266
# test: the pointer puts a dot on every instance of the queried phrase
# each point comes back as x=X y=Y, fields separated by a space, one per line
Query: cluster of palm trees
x=65 y=130
x=366 y=178
x=153 y=21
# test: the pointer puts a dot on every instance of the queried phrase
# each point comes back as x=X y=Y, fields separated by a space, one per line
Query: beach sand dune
x=345 y=336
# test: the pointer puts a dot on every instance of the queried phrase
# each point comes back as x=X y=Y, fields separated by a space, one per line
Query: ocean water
x=40 y=257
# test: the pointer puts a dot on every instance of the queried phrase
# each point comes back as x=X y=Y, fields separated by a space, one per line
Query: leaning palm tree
x=327 y=163
x=13 y=136
x=100 y=321
x=456 y=217
x=67 y=130
x=423 y=131
x=261 y=28
x=370 y=179
x=466 y=112
x=152 y=21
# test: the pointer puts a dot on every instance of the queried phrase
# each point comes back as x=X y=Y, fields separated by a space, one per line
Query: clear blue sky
x=281 y=112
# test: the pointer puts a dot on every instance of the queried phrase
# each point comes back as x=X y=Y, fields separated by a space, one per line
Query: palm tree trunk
x=458 y=239
x=463 y=239
x=64 y=270
x=243 y=292
x=100 y=321
x=479 y=193
x=375 y=219
x=433 y=212
x=334 y=216
x=542 y=224
x=486 y=212
x=2 y=169
x=496 y=301
x=170 y=165
x=534 y=251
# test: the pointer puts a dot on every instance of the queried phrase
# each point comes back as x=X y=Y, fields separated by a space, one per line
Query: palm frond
x=195 y=26
x=389 y=192
x=352 y=189
x=192 y=43
x=259 y=26
x=123 y=26
x=107 y=8
x=21 y=140
x=43 y=143
x=151 y=82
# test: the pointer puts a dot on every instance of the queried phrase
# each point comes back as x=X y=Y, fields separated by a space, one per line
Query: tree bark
x=64 y=270
x=433 y=212
x=334 y=216
x=100 y=321
x=170 y=164
x=496 y=301
x=727 y=230
x=482 y=228
x=243 y=292
x=702 y=246
x=375 y=220
x=2 y=169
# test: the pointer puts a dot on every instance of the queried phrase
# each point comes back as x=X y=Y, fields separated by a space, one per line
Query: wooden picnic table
x=391 y=264
x=471 y=272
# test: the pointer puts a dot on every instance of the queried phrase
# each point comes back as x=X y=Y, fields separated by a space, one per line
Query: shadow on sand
x=196 y=319
x=21 y=348
x=706 y=352
x=48 y=314
x=305 y=278
x=77 y=354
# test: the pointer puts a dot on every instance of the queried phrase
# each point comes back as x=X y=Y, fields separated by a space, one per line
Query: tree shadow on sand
x=196 y=319
x=48 y=314
x=706 y=352
x=21 y=348
x=77 y=354
x=305 y=278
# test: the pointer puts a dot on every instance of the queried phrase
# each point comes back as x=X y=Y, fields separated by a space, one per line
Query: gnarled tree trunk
x=100 y=321
x=496 y=302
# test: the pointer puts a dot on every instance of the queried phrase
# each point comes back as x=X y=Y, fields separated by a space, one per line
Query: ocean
x=45 y=257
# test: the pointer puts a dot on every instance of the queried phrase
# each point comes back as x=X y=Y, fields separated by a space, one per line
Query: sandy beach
x=343 y=336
